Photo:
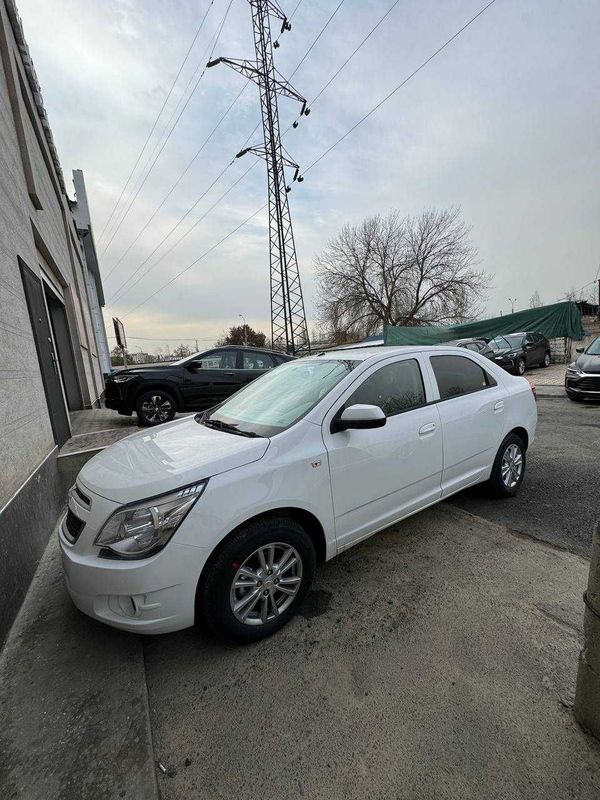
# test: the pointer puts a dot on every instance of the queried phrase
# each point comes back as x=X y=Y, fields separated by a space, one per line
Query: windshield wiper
x=218 y=425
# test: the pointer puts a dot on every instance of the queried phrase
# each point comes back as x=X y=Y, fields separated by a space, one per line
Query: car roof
x=375 y=354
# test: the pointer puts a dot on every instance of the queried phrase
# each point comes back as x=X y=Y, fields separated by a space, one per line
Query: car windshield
x=281 y=397
x=594 y=348
x=506 y=342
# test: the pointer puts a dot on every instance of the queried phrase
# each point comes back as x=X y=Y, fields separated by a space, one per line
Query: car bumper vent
x=73 y=526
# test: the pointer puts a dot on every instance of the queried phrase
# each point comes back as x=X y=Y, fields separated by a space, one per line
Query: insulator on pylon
x=288 y=189
x=295 y=123
x=306 y=112
x=276 y=44
x=300 y=179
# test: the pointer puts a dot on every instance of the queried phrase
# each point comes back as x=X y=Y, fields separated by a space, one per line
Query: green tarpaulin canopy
x=559 y=319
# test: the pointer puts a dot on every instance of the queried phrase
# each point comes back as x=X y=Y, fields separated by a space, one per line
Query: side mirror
x=579 y=349
x=194 y=365
x=359 y=417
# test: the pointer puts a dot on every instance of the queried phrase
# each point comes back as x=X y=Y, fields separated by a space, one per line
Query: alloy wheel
x=521 y=367
x=512 y=466
x=266 y=583
x=156 y=408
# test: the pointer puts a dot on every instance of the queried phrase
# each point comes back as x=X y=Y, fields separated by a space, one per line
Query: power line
x=118 y=294
x=178 y=181
x=354 y=52
x=321 y=32
x=166 y=100
x=399 y=86
x=206 y=253
x=162 y=147
x=115 y=295
x=291 y=16
x=198 y=221
x=322 y=156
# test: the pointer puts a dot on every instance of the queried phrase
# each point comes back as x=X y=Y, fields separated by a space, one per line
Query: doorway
x=46 y=353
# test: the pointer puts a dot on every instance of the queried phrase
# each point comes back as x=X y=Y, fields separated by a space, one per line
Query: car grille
x=74 y=525
x=591 y=384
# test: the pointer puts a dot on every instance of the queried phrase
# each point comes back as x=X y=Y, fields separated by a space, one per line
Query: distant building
x=53 y=348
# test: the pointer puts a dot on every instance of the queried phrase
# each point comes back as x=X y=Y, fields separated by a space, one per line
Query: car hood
x=164 y=458
x=588 y=363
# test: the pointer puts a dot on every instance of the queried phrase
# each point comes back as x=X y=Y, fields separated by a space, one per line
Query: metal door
x=34 y=295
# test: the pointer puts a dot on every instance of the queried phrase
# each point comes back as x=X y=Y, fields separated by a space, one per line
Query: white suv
x=223 y=517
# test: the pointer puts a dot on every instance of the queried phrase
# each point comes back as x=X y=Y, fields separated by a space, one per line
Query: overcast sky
x=504 y=123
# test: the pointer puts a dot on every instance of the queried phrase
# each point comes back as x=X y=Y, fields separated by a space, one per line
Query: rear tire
x=509 y=468
x=155 y=407
x=244 y=597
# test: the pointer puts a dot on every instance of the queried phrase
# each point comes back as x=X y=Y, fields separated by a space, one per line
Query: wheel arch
x=522 y=434
x=306 y=519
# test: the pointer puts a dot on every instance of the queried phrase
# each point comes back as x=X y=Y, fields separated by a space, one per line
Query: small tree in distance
x=535 y=301
x=243 y=334
x=182 y=350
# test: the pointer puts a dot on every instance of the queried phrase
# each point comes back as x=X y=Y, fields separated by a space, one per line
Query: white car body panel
x=352 y=483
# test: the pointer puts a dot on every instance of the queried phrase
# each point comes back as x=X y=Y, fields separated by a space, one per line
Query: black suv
x=157 y=392
x=517 y=351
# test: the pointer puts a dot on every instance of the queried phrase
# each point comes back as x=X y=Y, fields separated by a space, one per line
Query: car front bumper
x=586 y=384
x=153 y=595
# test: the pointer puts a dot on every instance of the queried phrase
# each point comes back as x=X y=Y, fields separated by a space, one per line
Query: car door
x=254 y=364
x=211 y=378
x=382 y=474
x=531 y=347
x=471 y=407
x=540 y=347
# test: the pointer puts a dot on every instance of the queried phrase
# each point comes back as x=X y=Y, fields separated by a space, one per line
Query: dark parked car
x=476 y=345
x=157 y=392
x=517 y=351
x=582 y=378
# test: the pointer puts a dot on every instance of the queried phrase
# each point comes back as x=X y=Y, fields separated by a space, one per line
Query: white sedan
x=223 y=517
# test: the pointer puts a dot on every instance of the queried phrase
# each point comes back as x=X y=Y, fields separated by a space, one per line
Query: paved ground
x=436 y=660
x=554 y=375
x=559 y=499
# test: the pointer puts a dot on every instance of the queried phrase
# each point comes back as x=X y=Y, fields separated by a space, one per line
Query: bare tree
x=401 y=271
x=535 y=301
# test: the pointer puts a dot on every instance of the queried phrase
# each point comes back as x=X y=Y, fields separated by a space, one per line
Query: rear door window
x=456 y=375
x=253 y=360
x=220 y=359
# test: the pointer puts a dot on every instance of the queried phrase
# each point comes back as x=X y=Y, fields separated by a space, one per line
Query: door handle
x=229 y=374
x=426 y=429
x=499 y=406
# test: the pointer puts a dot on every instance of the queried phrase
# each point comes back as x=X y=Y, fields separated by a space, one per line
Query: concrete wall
x=37 y=226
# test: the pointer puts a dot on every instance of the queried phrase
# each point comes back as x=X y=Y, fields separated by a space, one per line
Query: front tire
x=520 y=367
x=509 y=468
x=255 y=583
x=546 y=361
x=155 y=407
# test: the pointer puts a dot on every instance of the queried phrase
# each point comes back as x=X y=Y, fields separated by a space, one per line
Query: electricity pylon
x=288 y=318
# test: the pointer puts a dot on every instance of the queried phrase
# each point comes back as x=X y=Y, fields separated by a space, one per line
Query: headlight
x=141 y=530
x=573 y=370
x=122 y=378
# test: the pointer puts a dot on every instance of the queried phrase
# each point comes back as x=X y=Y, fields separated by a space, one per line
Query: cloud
x=503 y=123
